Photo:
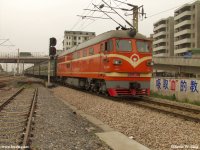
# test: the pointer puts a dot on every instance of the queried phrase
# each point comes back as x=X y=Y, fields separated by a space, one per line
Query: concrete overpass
x=14 y=58
x=178 y=64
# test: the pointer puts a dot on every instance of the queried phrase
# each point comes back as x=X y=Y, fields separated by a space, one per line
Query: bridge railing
x=14 y=55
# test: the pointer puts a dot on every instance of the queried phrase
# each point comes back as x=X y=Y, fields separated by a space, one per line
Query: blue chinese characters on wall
x=158 y=84
x=194 y=86
x=165 y=84
x=183 y=86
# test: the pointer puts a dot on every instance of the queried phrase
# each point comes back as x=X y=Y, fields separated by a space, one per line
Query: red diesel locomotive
x=113 y=63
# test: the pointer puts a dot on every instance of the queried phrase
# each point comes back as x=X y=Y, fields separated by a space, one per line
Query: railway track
x=16 y=114
x=175 y=109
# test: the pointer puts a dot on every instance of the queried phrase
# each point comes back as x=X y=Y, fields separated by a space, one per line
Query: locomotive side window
x=68 y=65
x=123 y=45
x=91 y=51
x=102 y=47
x=74 y=55
x=109 y=45
x=84 y=53
x=78 y=55
x=142 y=46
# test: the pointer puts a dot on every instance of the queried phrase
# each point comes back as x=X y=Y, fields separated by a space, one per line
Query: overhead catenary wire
x=100 y=16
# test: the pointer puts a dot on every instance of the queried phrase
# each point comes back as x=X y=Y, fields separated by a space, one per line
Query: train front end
x=128 y=66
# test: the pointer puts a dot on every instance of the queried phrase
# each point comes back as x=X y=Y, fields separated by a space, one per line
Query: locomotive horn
x=132 y=32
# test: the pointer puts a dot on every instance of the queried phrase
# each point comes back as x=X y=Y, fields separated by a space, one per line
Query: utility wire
x=79 y=18
x=100 y=16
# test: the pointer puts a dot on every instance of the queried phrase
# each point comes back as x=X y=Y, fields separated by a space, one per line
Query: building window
x=74 y=43
x=79 y=38
x=74 y=37
x=85 y=38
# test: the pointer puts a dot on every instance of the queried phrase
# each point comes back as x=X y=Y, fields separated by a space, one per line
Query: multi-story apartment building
x=73 y=38
x=163 y=38
x=187 y=28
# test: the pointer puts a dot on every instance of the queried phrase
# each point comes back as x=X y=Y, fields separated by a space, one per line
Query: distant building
x=163 y=38
x=187 y=29
x=73 y=38
x=1 y=68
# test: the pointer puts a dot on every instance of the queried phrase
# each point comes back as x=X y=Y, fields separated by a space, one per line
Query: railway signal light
x=52 y=44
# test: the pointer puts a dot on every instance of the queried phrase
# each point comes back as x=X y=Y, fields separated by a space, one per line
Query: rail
x=28 y=128
x=10 y=98
x=17 y=122
x=192 y=114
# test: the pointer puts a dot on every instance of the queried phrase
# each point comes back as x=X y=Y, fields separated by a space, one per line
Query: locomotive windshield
x=123 y=45
x=143 y=46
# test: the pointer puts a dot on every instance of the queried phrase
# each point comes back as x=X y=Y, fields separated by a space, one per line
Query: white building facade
x=163 y=38
x=73 y=38
x=187 y=28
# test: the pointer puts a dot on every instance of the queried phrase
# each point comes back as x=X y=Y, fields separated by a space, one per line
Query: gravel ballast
x=152 y=129
x=58 y=127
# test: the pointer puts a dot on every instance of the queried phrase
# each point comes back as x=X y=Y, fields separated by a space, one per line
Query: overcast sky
x=30 y=23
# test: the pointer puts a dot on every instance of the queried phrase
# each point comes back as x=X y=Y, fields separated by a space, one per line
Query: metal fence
x=14 y=55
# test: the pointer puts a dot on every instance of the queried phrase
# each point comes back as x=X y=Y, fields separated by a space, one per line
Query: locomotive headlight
x=150 y=63
x=117 y=62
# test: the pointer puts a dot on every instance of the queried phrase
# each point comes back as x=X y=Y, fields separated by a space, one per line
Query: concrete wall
x=182 y=88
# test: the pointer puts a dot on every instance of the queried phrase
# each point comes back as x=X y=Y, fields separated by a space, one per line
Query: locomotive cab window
x=143 y=46
x=123 y=45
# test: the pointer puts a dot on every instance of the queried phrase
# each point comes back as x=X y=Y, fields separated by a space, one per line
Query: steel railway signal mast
x=52 y=44
x=52 y=53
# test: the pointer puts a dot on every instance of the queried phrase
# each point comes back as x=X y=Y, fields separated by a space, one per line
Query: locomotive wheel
x=87 y=85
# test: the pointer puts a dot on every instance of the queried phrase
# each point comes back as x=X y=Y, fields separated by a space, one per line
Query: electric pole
x=135 y=18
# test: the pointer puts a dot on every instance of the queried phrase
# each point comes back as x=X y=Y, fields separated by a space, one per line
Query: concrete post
x=18 y=62
x=49 y=67
x=23 y=68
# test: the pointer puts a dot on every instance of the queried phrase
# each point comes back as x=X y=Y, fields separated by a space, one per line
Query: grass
x=173 y=98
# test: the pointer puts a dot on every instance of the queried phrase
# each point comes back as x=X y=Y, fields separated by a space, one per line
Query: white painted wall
x=183 y=88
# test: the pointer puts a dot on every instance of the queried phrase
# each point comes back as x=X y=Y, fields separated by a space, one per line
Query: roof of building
x=187 y=5
x=102 y=37
x=78 y=32
x=162 y=19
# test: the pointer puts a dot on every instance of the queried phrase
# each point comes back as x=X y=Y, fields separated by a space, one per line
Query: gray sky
x=30 y=23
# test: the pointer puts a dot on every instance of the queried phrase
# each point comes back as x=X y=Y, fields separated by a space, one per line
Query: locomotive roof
x=102 y=37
